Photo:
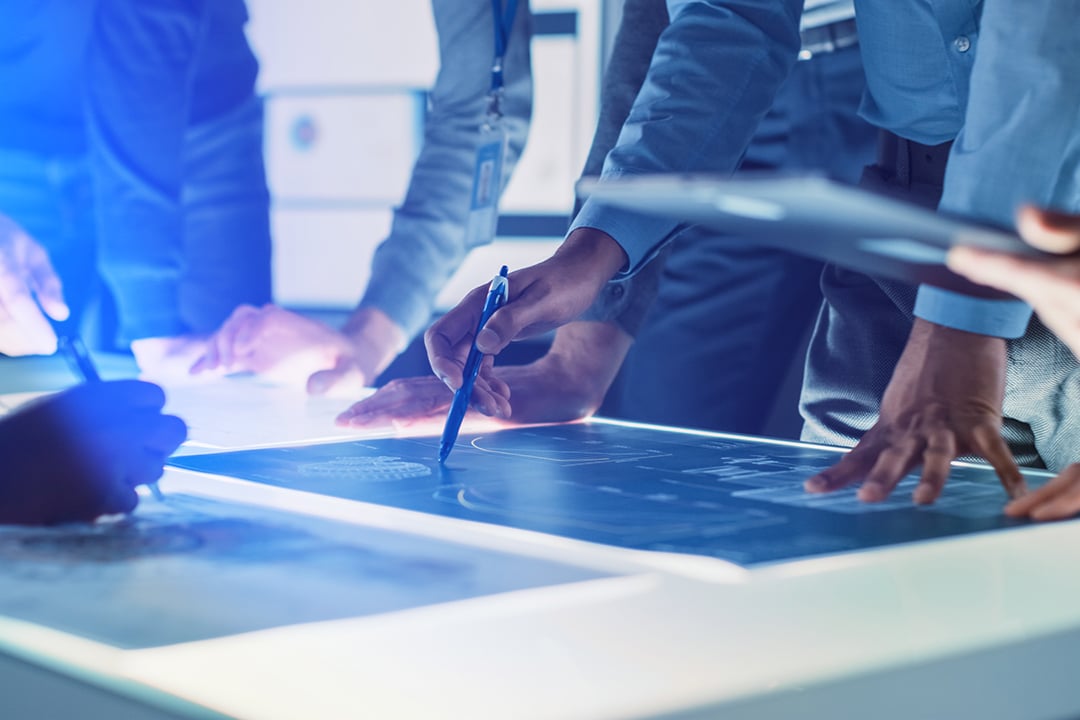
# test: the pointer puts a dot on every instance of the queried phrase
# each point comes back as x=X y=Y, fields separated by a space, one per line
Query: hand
x=79 y=454
x=567 y=383
x=1056 y=500
x=1051 y=286
x=25 y=271
x=542 y=297
x=944 y=400
x=290 y=348
x=408 y=402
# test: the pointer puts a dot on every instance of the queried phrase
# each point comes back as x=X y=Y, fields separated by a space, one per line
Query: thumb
x=343 y=378
x=45 y=283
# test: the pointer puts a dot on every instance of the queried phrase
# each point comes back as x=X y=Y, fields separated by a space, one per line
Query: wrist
x=595 y=249
x=375 y=340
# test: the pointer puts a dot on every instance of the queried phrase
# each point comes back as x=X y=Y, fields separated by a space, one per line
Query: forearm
x=1020 y=133
x=427 y=240
x=137 y=69
x=690 y=117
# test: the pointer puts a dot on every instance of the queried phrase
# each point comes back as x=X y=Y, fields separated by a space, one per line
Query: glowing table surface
x=979 y=625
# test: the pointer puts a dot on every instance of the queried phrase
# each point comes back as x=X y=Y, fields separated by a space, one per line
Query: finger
x=245 y=319
x=44 y=281
x=1023 y=506
x=1015 y=275
x=144 y=467
x=1056 y=500
x=344 y=376
x=406 y=399
x=1048 y=230
x=120 y=499
x=136 y=394
x=26 y=331
x=536 y=309
x=851 y=469
x=213 y=356
x=988 y=443
x=488 y=401
x=115 y=398
x=937 y=458
x=449 y=339
x=892 y=464
x=162 y=434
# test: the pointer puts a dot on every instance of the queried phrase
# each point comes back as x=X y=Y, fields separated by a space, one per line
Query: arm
x=426 y=242
x=138 y=71
x=684 y=106
x=945 y=395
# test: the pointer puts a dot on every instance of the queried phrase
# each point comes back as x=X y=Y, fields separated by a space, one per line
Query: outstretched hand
x=80 y=454
x=296 y=350
x=944 y=400
x=568 y=383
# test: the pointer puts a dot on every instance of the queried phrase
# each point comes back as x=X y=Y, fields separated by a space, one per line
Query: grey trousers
x=860 y=333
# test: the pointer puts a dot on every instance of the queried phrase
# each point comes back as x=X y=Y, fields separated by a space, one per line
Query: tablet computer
x=815 y=216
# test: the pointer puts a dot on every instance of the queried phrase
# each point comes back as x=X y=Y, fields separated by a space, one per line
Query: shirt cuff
x=641 y=236
x=998 y=318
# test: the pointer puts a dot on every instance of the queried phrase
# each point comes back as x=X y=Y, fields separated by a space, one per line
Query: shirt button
x=962 y=43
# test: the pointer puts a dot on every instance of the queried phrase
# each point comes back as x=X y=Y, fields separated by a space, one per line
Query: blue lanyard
x=504 y=23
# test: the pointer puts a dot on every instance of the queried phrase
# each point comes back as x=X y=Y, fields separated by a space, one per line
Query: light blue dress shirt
x=427 y=239
x=720 y=62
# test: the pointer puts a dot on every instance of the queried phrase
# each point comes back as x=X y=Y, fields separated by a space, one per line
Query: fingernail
x=871 y=493
x=814 y=485
x=488 y=340
x=923 y=495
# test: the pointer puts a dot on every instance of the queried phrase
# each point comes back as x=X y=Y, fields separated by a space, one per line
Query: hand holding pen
x=498 y=291
x=71 y=346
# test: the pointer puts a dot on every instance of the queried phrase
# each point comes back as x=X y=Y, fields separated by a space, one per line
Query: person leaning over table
x=79 y=454
x=427 y=240
x=761 y=301
x=714 y=73
x=143 y=209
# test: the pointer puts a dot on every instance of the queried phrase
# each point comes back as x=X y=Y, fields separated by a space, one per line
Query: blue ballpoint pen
x=497 y=295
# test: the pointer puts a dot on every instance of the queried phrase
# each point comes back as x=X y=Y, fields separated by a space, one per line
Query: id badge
x=486 y=187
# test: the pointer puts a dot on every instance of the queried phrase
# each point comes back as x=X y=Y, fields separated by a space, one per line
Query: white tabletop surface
x=983 y=626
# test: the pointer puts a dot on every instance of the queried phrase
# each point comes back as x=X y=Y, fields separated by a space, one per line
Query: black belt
x=828 y=38
x=910 y=163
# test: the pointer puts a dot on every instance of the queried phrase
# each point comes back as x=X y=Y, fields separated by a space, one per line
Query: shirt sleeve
x=138 y=70
x=427 y=238
x=1020 y=141
x=715 y=72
